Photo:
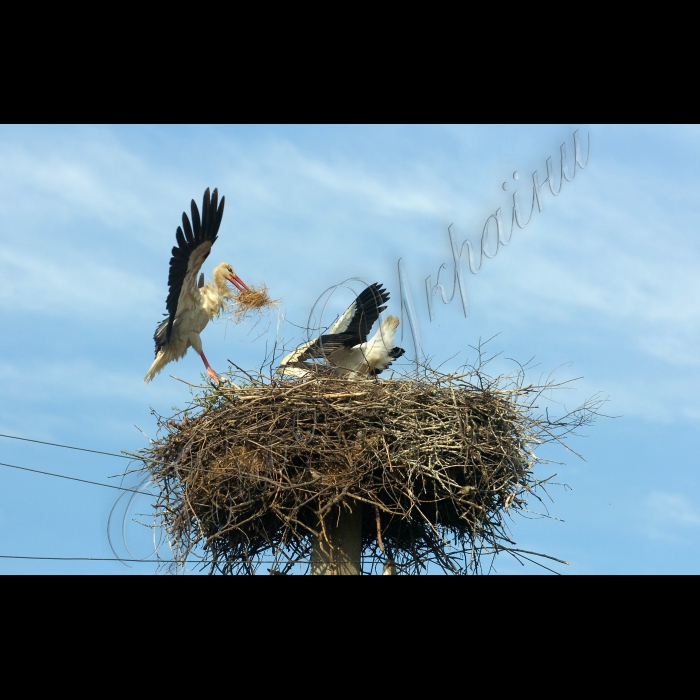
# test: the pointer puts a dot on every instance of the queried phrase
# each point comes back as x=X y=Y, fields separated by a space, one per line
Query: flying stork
x=191 y=304
x=345 y=346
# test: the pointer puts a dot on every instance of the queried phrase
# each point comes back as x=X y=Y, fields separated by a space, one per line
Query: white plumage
x=345 y=347
x=191 y=305
x=371 y=357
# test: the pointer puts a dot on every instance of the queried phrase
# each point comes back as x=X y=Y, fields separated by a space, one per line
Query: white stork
x=345 y=347
x=191 y=304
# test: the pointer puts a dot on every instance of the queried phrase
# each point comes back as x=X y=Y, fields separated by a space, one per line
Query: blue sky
x=602 y=284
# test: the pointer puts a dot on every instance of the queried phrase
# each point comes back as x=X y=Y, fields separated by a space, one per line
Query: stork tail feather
x=156 y=367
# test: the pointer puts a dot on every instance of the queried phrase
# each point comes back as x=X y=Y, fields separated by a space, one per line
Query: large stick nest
x=253 y=473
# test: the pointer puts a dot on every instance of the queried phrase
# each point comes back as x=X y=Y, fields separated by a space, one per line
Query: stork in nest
x=345 y=347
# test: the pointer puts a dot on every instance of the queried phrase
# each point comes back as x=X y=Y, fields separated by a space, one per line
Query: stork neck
x=220 y=284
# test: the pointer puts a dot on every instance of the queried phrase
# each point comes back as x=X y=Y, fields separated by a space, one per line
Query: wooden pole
x=341 y=555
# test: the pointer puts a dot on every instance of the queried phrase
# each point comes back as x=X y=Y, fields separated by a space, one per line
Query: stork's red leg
x=210 y=371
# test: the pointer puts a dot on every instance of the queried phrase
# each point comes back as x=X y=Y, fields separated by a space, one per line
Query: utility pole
x=345 y=545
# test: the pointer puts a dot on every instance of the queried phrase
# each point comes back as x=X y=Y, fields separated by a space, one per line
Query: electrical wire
x=145 y=493
x=74 y=478
x=68 y=447
x=142 y=561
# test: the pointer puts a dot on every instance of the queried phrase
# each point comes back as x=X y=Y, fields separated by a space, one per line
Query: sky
x=601 y=284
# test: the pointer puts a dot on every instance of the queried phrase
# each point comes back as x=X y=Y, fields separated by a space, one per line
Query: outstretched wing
x=192 y=249
x=361 y=315
x=320 y=347
x=349 y=330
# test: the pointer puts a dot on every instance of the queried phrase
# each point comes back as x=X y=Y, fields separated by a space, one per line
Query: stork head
x=224 y=273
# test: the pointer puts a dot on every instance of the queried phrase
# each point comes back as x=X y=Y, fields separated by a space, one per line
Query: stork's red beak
x=238 y=282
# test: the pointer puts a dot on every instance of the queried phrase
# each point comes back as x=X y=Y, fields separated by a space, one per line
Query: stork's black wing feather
x=349 y=330
x=324 y=345
x=199 y=233
x=362 y=314
x=159 y=335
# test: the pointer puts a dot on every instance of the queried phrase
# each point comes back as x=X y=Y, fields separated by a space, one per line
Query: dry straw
x=436 y=462
x=250 y=301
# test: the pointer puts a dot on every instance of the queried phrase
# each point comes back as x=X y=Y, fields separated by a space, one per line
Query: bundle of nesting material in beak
x=251 y=300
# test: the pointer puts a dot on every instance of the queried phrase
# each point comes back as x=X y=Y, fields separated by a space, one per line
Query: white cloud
x=84 y=175
x=670 y=517
x=609 y=256
x=75 y=286
x=282 y=176
x=71 y=381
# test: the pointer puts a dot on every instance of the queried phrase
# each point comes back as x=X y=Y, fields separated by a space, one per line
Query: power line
x=74 y=478
x=68 y=447
x=141 y=561
x=150 y=561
